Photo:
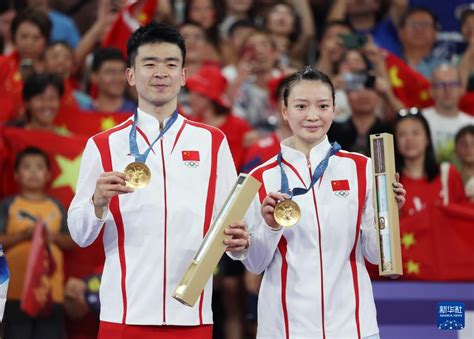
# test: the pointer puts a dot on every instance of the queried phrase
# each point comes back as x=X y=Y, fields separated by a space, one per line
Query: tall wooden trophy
x=386 y=208
x=212 y=248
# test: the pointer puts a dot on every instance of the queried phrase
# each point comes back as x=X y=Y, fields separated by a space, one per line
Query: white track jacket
x=316 y=284
x=151 y=235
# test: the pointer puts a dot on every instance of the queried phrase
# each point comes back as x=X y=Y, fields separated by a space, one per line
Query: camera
x=353 y=40
x=358 y=81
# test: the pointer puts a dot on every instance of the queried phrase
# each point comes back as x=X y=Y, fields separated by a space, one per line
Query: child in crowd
x=32 y=171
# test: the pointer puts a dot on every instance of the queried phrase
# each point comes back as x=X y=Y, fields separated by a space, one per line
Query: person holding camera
x=370 y=100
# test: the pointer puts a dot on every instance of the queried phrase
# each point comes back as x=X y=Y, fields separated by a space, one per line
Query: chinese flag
x=454 y=239
x=11 y=87
x=437 y=244
x=64 y=152
x=409 y=86
x=68 y=104
x=190 y=155
x=340 y=185
x=126 y=23
x=36 y=297
x=65 y=155
x=90 y=123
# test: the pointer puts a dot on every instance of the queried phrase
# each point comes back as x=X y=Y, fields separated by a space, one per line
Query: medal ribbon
x=318 y=172
x=133 y=137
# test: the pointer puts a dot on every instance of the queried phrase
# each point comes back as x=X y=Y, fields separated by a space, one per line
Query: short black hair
x=36 y=84
x=31 y=151
x=152 y=33
x=307 y=73
x=419 y=9
x=468 y=129
x=36 y=17
x=103 y=55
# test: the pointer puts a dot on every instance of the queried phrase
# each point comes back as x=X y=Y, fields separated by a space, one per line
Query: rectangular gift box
x=212 y=248
x=385 y=205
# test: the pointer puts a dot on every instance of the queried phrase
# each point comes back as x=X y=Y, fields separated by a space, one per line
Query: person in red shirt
x=208 y=105
x=30 y=33
x=425 y=181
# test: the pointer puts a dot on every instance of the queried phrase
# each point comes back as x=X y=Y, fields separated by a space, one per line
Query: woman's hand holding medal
x=268 y=208
x=108 y=185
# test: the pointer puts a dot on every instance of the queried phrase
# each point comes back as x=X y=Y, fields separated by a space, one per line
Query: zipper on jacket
x=164 y=231
x=320 y=250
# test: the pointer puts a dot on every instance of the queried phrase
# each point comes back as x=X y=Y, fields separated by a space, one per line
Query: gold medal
x=138 y=174
x=287 y=213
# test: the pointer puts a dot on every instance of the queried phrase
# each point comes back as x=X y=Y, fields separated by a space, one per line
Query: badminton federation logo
x=450 y=315
x=191 y=158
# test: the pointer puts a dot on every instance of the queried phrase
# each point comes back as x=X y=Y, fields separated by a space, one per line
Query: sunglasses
x=404 y=112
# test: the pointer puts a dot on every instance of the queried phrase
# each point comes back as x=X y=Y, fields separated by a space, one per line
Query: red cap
x=209 y=82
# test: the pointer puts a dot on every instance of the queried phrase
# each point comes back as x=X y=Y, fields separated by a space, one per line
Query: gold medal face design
x=287 y=213
x=138 y=174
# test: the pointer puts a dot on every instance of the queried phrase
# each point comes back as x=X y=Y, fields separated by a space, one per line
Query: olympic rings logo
x=192 y=164
x=342 y=194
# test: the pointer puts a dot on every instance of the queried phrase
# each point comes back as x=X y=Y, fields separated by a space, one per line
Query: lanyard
x=318 y=172
x=133 y=137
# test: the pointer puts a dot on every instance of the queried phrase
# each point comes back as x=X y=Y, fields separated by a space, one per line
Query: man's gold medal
x=138 y=175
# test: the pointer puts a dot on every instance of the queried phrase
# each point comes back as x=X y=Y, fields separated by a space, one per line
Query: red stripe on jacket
x=164 y=230
x=102 y=142
x=361 y=164
x=217 y=138
x=282 y=247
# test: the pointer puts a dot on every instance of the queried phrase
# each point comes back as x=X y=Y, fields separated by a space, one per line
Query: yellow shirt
x=11 y=222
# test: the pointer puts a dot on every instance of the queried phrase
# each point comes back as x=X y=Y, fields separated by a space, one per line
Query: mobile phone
x=358 y=81
x=353 y=40
x=370 y=81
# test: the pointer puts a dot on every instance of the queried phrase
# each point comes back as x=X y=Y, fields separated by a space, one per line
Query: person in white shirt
x=151 y=233
x=444 y=118
x=315 y=284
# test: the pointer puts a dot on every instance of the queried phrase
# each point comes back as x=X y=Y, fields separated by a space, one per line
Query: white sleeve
x=226 y=175
x=83 y=224
x=263 y=240
x=368 y=231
